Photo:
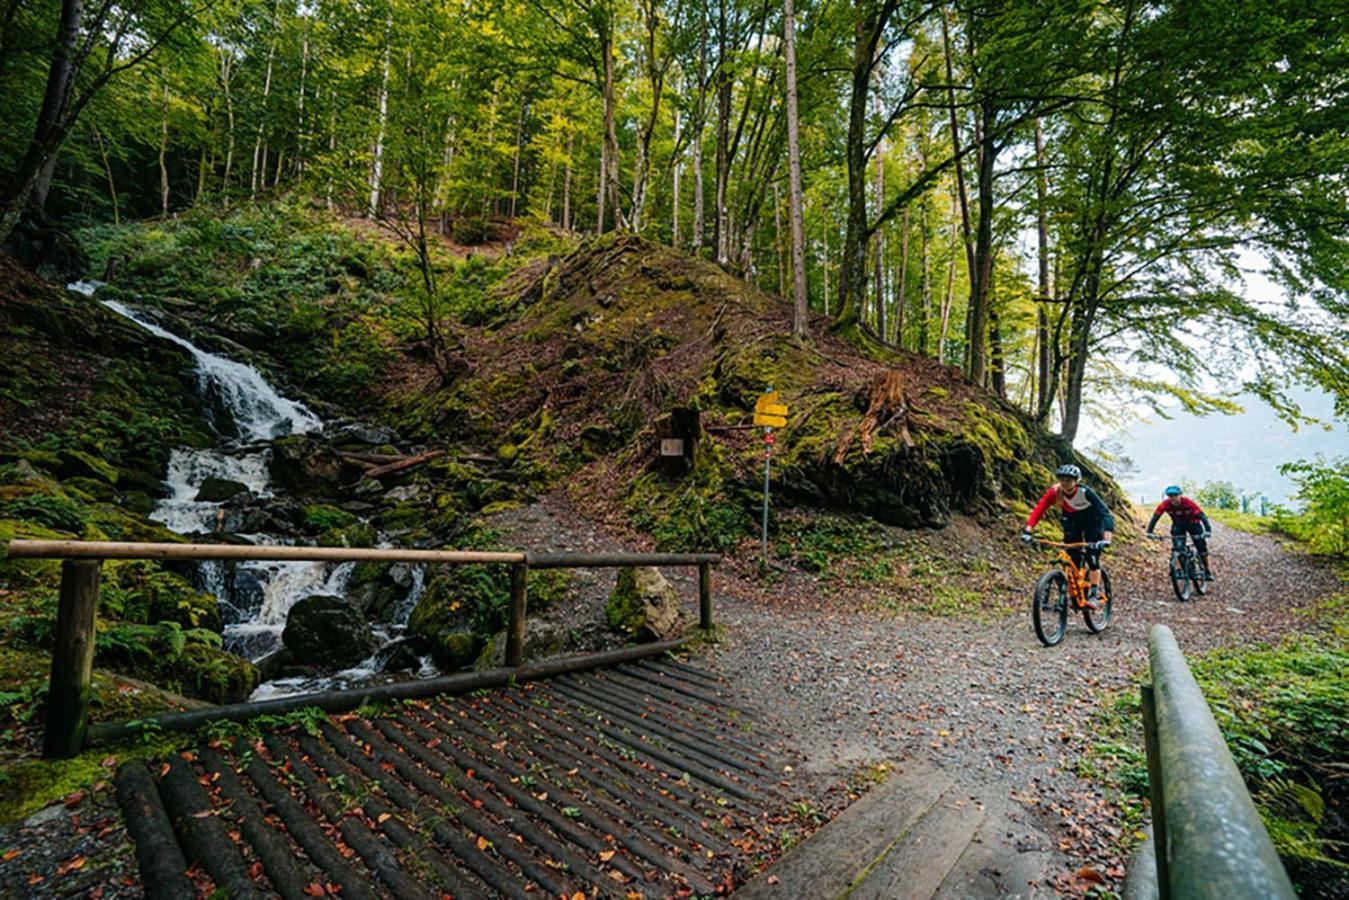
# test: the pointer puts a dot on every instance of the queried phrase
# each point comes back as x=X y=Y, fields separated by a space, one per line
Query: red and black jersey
x=1184 y=512
x=1082 y=508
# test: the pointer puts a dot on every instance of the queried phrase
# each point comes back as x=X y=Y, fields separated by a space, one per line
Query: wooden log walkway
x=636 y=779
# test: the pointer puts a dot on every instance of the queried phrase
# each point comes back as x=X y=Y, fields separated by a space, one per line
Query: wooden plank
x=131 y=550
x=828 y=862
x=915 y=866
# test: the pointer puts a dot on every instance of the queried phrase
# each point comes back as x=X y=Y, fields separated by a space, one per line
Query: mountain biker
x=1084 y=517
x=1186 y=518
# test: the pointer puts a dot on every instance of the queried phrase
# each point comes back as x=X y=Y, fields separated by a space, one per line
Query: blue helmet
x=1068 y=470
x=1173 y=491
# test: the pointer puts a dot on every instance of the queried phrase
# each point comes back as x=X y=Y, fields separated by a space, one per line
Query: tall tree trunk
x=981 y=287
x=879 y=264
x=566 y=183
x=825 y=234
x=902 y=283
x=163 y=151
x=107 y=168
x=226 y=71
x=1043 y=397
x=300 y=136
x=599 y=197
x=377 y=170
x=799 y=311
x=519 y=150
x=257 y=178
x=33 y=176
x=778 y=251
x=676 y=168
x=610 y=127
x=656 y=76
x=949 y=297
x=925 y=285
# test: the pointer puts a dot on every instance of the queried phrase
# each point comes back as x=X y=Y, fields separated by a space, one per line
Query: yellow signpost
x=770 y=412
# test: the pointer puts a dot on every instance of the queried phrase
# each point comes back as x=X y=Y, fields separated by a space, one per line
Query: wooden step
x=1008 y=859
x=918 y=862
x=828 y=863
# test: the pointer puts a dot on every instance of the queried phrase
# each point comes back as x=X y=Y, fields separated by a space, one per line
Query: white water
x=188 y=469
x=257 y=600
x=257 y=411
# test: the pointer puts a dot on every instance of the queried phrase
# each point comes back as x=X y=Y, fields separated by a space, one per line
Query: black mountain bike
x=1187 y=575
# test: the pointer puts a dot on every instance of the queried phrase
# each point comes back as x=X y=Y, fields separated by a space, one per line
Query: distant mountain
x=1245 y=449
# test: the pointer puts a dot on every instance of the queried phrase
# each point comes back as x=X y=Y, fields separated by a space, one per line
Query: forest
x=1060 y=199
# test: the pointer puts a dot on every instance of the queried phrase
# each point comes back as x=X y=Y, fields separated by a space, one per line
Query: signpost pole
x=767 y=460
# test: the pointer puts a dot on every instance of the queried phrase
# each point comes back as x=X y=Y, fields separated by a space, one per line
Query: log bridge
x=610 y=774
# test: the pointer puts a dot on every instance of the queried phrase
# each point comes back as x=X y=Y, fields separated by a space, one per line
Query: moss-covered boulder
x=327 y=631
x=447 y=611
x=644 y=605
x=218 y=490
x=306 y=466
x=542 y=640
x=80 y=464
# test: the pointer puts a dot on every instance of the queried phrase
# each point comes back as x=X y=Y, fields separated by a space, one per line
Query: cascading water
x=255 y=596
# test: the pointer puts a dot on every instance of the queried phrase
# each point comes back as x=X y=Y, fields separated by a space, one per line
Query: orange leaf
x=383 y=817
x=1087 y=873
x=35 y=878
x=11 y=854
x=74 y=799
x=579 y=895
x=499 y=746
x=70 y=865
x=617 y=876
x=483 y=843
x=433 y=743
x=607 y=855
x=314 y=889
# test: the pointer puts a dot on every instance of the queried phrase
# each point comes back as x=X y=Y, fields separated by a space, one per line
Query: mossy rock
x=361 y=534
x=643 y=605
x=79 y=464
x=218 y=490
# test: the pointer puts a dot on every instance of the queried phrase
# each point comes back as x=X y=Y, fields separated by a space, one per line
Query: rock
x=400 y=656
x=403 y=492
x=644 y=605
x=444 y=614
x=218 y=490
x=77 y=463
x=542 y=640
x=360 y=433
x=301 y=464
x=327 y=631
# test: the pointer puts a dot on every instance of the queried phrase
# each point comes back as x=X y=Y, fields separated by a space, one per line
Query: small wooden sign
x=672 y=447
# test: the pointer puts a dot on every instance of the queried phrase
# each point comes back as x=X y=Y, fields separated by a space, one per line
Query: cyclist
x=1085 y=518
x=1186 y=518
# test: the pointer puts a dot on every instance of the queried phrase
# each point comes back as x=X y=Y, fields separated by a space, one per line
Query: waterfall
x=252 y=409
x=255 y=595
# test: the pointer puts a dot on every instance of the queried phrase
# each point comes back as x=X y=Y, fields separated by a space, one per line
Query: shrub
x=1323 y=489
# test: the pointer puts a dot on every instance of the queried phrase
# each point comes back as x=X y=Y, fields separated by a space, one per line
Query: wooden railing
x=67 y=725
x=1207 y=837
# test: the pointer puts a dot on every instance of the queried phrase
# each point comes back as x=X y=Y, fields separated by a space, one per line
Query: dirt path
x=1007 y=718
x=850 y=686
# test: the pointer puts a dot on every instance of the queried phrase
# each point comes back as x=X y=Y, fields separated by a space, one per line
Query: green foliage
x=816 y=542
x=56 y=512
x=1323 y=489
x=1218 y=495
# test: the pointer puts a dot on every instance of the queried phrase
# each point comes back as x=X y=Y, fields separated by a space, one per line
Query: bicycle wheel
x=1097 y=619
x=1180 y=576
x=1049 y=608
x=1197 y=576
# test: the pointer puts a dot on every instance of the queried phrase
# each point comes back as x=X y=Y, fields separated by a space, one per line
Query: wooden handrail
x=23 y=549
x=72 y=659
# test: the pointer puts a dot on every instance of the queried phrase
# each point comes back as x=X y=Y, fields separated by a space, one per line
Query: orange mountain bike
x=1065 y=587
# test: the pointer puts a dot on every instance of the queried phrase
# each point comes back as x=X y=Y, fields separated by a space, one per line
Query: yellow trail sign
x=768 y=411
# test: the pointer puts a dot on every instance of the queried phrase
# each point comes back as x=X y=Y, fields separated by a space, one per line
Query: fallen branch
x=409 y=462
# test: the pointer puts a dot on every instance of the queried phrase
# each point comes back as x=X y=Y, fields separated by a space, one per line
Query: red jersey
x=1082 y=507
x=1187 y=513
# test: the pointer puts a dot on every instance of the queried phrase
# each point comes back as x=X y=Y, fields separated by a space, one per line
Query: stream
x=255 y=596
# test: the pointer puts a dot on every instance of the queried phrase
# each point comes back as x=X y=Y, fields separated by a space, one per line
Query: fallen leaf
x=35 y=878
x=607 y=855
x=383 y=817
x=483 y=843
x=11 y=854
x=70 y=865
x=617 y=876
x=314 y=889
x=773 y=879
x=499 y=746
x=1087 y=873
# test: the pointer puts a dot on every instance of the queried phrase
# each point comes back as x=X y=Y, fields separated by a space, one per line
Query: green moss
x=625 y=611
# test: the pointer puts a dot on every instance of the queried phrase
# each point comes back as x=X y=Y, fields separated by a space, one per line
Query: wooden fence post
x=705 y=596
x=515 y=627
x=72 y=660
